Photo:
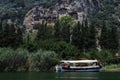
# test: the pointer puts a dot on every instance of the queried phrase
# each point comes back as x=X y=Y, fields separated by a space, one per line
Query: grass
x=113 y=67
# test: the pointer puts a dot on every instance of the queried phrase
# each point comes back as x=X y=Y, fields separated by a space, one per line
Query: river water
x=60 y=76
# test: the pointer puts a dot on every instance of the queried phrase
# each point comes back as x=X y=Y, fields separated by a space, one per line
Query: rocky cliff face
x=78 y=9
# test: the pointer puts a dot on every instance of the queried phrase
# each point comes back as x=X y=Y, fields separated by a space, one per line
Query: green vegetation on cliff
x=32 y=51
x=16 y=9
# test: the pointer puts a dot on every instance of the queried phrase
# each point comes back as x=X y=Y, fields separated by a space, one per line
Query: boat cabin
x=78 y=65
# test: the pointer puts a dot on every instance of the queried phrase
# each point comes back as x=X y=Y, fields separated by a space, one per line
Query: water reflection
x=78 y=75
x=91 y=78
x=60 y=76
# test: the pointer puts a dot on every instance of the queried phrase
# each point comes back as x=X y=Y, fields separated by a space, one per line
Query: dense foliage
x=84 y=36
x=10 y=35
x=104 y=56
x=109 y=38
x=68 y=39
x=63 y=50
x=64 y=28
x=22 y=60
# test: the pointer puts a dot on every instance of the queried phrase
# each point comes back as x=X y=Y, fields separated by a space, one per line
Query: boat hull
x=80 y=70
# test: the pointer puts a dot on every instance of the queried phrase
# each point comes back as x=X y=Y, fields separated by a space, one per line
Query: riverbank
x=21 y=60
x=112 y=68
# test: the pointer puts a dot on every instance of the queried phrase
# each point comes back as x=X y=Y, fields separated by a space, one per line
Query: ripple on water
x=91 y=78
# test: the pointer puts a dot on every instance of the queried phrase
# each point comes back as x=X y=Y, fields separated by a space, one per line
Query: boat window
x=65 y=65
x=71 y=64
x=81 y=64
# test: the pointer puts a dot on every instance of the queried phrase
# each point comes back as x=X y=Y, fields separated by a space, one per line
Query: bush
x=104 y=56
x=5 y=58
x=43 y=60
x=66 y=50
x=21 y=60
x=11 y=60
x=63 y=49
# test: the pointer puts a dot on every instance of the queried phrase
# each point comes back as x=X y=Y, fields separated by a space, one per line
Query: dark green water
x=60 y=76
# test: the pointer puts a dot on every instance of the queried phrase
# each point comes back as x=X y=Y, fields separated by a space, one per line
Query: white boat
x=78 y=66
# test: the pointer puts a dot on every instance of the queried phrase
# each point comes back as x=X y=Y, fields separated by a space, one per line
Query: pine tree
x=66 y=23
x=9 y=37
x=85 y=38
x=76 y=38
x=19 y=36
x=66 y=33
x=5 y=39
x=12 y=36
x=109 y=38
x=81 y=46
x=48 y=32
x=114 y=40
x=104 y=38
x=1 y=28
x=41 y=31
x=92 y=37
x=57 y=33
x=1 y=34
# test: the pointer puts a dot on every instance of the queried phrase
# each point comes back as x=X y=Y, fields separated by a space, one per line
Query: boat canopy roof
x=78 y=61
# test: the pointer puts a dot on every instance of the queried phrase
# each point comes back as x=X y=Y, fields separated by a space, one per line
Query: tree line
x=68 y=38
x=82 y=35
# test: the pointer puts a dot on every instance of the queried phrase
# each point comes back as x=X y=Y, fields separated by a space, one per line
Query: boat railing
x=84 y=66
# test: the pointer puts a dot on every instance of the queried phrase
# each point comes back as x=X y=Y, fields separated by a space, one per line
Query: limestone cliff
x=78 y=9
